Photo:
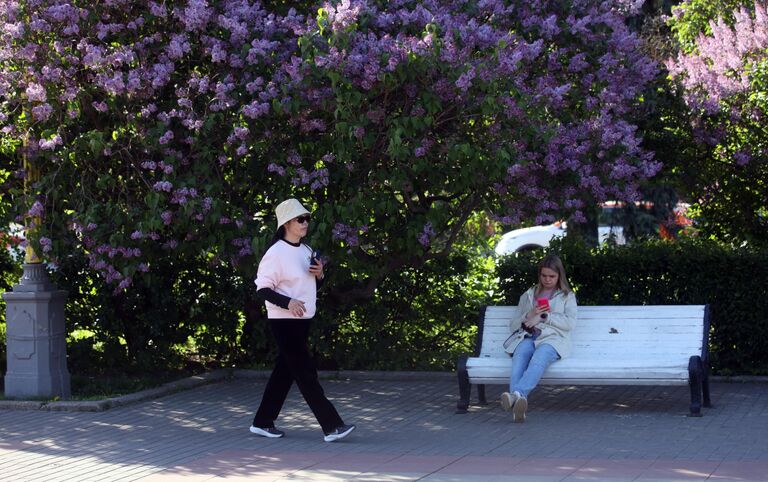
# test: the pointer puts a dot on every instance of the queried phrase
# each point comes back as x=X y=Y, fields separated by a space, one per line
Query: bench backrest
x=653 y=333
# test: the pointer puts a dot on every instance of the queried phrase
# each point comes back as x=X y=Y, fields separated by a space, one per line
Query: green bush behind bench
x=419 y=319
x=734 y=281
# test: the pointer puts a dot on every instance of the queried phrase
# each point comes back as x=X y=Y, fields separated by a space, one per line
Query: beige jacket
x=556 y=330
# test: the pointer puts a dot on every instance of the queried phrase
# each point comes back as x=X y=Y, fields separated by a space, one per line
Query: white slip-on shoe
x=339 y=433
x=269 y=432
x=519 y=408
x=508 y=400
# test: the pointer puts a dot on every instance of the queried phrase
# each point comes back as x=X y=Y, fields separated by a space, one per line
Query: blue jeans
x=529 y=364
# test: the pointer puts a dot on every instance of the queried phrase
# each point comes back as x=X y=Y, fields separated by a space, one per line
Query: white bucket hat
x=289 y=209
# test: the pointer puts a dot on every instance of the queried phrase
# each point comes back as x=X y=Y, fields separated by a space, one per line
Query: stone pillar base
x=36 y=338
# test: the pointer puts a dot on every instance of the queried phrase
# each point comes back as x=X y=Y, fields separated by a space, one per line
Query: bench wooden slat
x=591 y=381
x=639 y=311
x=601 y=322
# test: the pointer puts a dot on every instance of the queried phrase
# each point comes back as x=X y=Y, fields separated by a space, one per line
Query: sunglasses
x=303 y=219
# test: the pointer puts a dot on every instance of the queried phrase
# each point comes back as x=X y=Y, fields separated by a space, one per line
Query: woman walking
x=287 y=278
x=547 y=312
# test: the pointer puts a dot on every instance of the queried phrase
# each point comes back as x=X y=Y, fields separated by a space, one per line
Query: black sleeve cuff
x=274 y=297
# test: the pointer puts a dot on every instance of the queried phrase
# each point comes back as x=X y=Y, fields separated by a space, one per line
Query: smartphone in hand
x=543 y=303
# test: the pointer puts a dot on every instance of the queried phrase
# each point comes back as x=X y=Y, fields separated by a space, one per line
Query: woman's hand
x=317 y=268
x=533 y=317
x=296 y=307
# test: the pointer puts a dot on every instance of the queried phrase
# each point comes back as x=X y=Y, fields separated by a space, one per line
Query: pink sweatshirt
x=285 y=269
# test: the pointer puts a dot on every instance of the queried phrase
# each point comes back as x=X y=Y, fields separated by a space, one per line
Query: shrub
x=695 y=271
x=419 y=319
x=186 y=310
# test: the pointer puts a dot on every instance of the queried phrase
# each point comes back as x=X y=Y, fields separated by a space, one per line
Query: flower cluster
x=347 y=234
x=722 y=63
x=425 y=238
x=723 y=76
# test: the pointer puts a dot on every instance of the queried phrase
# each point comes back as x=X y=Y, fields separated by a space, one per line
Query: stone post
x=36 y=337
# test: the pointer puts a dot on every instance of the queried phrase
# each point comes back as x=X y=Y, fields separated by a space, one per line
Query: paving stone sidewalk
x=407 y=430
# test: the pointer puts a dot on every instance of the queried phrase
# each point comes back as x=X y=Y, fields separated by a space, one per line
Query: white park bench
x=612 y=345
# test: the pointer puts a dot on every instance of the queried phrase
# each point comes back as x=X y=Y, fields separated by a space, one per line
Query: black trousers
x=294 y=364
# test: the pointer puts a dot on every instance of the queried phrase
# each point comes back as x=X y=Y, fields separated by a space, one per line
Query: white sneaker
x=519 y=407
x=339 y=433
x=269 y=432
x=508 y=400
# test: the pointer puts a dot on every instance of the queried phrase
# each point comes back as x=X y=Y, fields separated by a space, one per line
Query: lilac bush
x=725 y=83
x=172 y=129
x=722 y=62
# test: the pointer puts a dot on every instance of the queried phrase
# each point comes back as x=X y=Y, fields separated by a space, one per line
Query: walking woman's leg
x=293 y=347
x=277 y=387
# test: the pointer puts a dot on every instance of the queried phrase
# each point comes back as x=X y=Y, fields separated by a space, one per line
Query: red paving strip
x=277 y=466
x=241 y=462
x=416 y=463
x=680 y=469
x=490 y=466
x=477 y=465
x=353 y=462
x=613 y=468
x=741 y=470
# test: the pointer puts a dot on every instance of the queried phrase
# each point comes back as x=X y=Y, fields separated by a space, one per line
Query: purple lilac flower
x=166 y=168
x=346 y=234
x=36 y=93
x=465 y=80
x=294 y=158
x=46 y=244
x=277 y=169
x=256 y=109
x=50 y=144
x=163 y=186
x=42 y=112
x=427 y=234
x=100 y=106
x=166 y=138
x=742 y=158
x=37 y=209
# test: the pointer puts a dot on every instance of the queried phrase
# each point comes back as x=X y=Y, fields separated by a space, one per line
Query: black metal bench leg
x=695 y=374
x=464 y=386
x=481 y=394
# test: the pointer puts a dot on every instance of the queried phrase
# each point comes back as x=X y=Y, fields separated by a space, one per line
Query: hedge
x=692 y=271
x=419 y=319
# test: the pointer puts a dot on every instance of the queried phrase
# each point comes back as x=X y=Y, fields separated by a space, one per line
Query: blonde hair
x=554 y=263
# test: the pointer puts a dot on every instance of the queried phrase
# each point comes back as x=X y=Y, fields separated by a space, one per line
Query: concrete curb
x=107 y=403
x=229 y=373
x=355 y=375
x=739 y=379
